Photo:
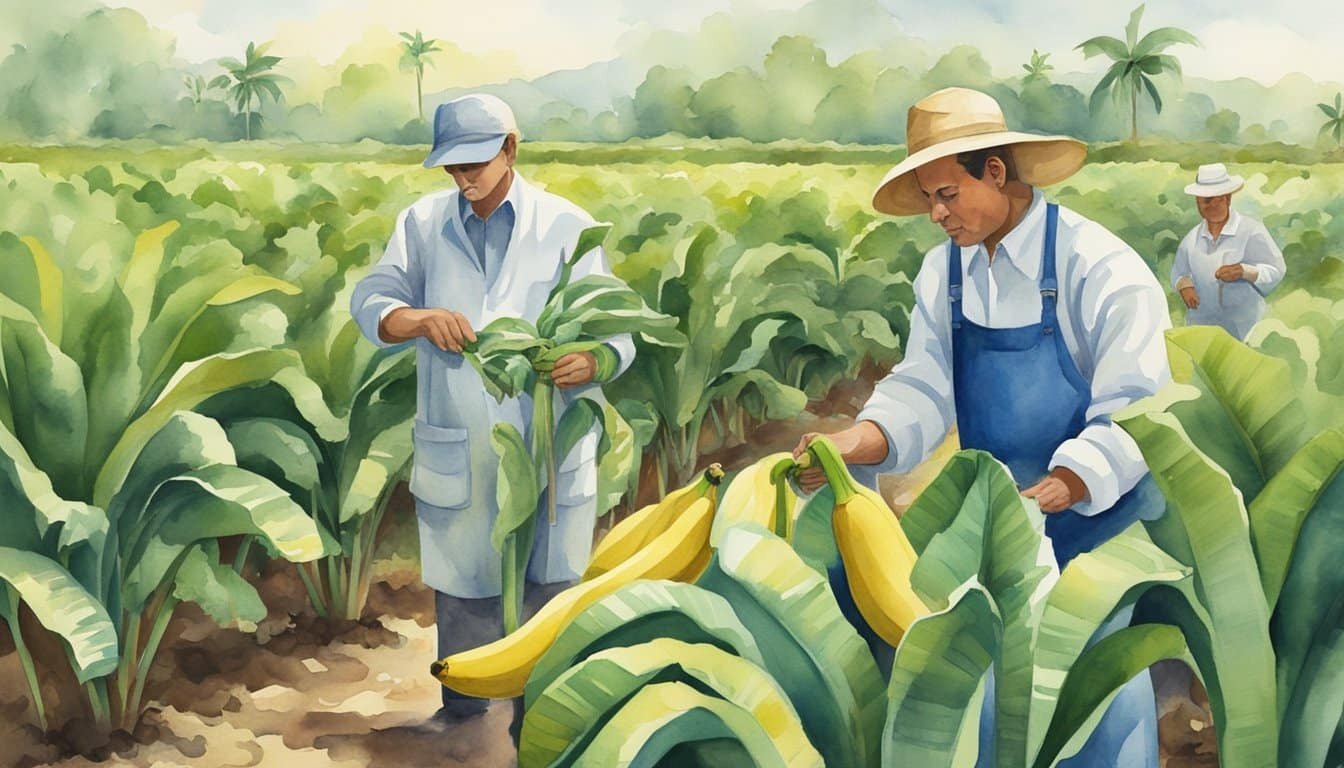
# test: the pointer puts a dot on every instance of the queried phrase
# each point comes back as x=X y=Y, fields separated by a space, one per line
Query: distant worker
x=1228 y=264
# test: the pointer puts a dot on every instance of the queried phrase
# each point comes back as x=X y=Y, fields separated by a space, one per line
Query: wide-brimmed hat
x=470 y=129
x=1212 y=180
x=956 y=120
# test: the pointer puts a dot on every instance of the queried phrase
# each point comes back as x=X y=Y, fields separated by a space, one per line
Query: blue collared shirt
x=489 y=237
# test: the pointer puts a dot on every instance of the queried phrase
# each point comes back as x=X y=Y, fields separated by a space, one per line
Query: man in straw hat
x=1228 y=264
x=1032 y=325
x=490 y=246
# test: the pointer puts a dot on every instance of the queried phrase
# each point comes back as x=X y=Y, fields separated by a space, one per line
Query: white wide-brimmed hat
x=1212 y=180
x=956 y=120
x=470 y=129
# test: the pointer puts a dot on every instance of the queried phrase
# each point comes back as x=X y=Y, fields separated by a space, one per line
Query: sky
x=1260 y=40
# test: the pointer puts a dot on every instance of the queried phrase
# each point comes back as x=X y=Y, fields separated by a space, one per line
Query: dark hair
x=975 y=161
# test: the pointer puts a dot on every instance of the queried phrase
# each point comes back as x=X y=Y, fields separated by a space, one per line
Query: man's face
x=968 y=209
x=1215 y=210
x=478 y=180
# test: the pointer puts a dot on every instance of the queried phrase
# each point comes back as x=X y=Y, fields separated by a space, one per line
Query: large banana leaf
x=937 y=684
x=63 y=606
x=971 y=524
x=809 y=647
x=640 y=612
x=1206 y=526
x=576 y=706
x=1244 y=424
x=662 y=716
x=1307 y=627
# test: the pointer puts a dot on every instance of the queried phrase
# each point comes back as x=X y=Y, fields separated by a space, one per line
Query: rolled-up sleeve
x=395 y=281
x=1124 y=318
x=1263 y=254
x=595 y=263
x=913 y=405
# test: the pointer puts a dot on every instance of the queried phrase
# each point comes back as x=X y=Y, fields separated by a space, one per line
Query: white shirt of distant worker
x=491 y=247
x=1228 y=264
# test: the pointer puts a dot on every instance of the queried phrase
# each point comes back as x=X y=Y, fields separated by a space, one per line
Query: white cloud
x=1264 y=52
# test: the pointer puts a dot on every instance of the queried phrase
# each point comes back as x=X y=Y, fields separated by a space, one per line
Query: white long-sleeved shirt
x=1239 y=305
x=1112 y=314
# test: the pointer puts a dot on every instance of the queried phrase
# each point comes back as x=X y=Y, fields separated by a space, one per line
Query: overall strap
x=954 y=282
x=1049 y=279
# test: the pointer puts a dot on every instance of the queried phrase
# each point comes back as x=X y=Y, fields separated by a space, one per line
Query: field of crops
x=169 y=315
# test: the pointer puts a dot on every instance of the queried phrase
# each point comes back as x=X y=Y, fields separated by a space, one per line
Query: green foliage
x=250 y=79
x=1136 y=62
x=415 y=54
x=1334 y=124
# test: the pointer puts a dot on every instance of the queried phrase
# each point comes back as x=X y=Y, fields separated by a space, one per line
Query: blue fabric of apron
x=1019 y=395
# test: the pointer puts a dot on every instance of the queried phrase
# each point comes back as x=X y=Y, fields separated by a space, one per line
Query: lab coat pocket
x=576 y=477
x=441 y=474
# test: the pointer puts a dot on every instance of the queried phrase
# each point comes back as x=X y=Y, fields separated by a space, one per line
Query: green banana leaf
x=637 y=613
x=971 y=524
x=563 y=720
x=517 y=493
x=225 y=596
x=662 y=716
x=937 y=683
x=1307 y=626
x=1206 y=526
x=63 y=606
x=809 y=647
x=1244 y=423
x=813 y=533
x=1097 y=676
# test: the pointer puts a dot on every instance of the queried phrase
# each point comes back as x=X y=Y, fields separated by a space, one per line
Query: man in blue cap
x=458 y=259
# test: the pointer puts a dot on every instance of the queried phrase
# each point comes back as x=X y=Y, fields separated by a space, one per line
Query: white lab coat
x=429 y=263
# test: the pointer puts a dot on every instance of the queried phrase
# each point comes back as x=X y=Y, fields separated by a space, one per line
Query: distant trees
x=1136 y=62
x=415 y=54
x=1335 y=124
x=1037 y=67
x=251 y=79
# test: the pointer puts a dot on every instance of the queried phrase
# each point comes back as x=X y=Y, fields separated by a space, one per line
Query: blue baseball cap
x=470 y=129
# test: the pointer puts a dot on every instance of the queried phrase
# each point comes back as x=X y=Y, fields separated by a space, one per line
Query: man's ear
x=511 y=148
x=997 y=171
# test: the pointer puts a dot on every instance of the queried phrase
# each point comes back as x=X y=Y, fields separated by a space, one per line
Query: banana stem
x=240 y=560
x=828 y=457
x=779 y=476
x=543 y=438
x=26 y=659
x=509 y=597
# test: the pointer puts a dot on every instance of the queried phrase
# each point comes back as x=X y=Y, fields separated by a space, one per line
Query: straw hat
x=956 y=120
x=1213 y=181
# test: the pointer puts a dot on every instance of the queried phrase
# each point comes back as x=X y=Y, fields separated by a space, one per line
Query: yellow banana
x=755 y=496
x=500 y=669
x=878 y=557
x=634 y=532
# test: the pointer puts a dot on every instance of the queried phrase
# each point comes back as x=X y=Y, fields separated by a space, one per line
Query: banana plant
x=515 y=356
x=1255 y=500
x=117 y=491
x=340 y=466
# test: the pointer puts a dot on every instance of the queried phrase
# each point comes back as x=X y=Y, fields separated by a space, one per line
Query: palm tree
x=1335 y=125
x=1135 y=62
x=415 y=55
x=251 y=79
x=1037 y=68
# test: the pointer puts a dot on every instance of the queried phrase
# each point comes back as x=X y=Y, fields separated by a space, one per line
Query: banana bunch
x=639 y=529
x=759 y=494
x=878 y=557
x=500 y=669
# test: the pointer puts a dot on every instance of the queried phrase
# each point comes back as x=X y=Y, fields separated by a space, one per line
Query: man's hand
x=1060 y=489
x=1190 y=297
x=1230 y=273
x=448 y=330
x=574 y=370
x=863 y=443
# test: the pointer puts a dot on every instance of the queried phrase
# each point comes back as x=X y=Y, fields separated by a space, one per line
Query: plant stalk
x=26 y=659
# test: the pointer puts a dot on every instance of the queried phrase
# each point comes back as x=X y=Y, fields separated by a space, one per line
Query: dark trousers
x=465 y=623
